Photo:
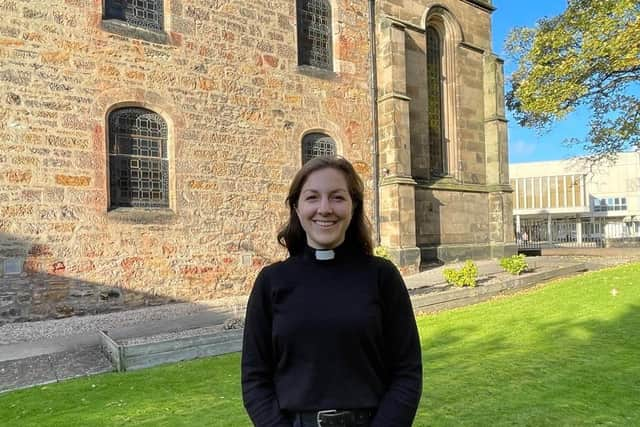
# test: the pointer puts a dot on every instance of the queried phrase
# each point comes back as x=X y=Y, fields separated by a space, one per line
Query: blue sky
x=526 y=145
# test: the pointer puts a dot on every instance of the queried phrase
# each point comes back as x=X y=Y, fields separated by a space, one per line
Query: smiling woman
x=330 y=337
x=325 y=208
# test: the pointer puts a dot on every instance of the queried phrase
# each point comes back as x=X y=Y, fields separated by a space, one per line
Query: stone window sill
x=142 y=216
x=124 y=29
x=320 y=73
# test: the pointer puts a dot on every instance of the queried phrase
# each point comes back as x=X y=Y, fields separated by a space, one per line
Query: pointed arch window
x=140 y=13
x=316 y=145
x=437 y=144
x=138 y=161
x=314 y=33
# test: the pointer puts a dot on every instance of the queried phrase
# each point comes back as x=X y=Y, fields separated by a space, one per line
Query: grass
x=566 y=354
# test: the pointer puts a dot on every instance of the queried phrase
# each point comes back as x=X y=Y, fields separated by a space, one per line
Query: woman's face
x=325 y=208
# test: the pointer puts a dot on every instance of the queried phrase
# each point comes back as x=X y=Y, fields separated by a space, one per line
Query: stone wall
x=466 y=212
x=224 y=76
x=452 y=217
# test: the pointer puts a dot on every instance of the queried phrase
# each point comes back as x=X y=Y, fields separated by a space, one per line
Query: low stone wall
x=622 y=242
x=44 y=296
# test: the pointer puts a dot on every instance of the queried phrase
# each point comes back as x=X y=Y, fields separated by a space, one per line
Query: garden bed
x=443 y=296
x=143 y=352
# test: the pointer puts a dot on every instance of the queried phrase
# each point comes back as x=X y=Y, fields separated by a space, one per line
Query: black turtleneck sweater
x=331 y=334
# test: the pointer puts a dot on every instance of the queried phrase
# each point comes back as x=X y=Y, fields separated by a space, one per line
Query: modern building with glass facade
x=575 y=202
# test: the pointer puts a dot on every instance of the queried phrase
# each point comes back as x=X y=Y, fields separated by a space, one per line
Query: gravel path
x=47 y=329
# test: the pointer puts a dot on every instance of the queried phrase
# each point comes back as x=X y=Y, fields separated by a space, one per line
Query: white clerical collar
x=325 y=254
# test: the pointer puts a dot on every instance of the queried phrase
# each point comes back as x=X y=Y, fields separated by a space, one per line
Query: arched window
x=317 y=144
x=140 y=13
x=437 y=143
x=314 y=33
x=138 y=163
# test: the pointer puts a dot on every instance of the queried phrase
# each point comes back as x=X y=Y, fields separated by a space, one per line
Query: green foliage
x=382 y=252
x=515 y=264
x=587 y=56
x=466 y=276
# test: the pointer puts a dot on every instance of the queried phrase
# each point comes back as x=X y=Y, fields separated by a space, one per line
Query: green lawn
x=566 y=354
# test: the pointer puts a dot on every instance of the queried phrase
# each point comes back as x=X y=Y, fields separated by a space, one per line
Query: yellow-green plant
x=382 y=252
x=514 y=264
x=465 y=276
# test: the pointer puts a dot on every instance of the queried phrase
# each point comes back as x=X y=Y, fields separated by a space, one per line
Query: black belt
x=334 y=418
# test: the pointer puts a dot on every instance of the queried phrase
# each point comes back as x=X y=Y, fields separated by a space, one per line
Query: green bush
x=466 y=276
x=514 y=264
x=382 y=252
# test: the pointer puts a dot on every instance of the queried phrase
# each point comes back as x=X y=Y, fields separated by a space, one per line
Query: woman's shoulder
x=384 y=264
x=272 y=268
x=278 y=267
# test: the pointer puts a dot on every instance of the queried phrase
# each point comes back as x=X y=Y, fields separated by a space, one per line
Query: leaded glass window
x=141 y=13
x=437 y=153
x=316 y=145
x=314 y=33
x=138 y=163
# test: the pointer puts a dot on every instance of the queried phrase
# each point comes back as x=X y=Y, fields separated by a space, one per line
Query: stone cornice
x=482 y=4
x=393 y=95
x=397 y=179
x=496 y=118
x=472 y=47
x=406 y=24
x=451 y=185
x=402 y=23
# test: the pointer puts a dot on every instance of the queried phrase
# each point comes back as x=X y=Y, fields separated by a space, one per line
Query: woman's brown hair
x=358 y=236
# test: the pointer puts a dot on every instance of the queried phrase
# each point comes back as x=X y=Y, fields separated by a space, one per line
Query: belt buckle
x=327 y=412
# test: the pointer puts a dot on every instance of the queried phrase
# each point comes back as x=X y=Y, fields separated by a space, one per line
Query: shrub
x=466 y=276
x=382 y=252
x=514 y=264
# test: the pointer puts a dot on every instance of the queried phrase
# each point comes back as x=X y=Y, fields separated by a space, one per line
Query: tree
x=587 y=56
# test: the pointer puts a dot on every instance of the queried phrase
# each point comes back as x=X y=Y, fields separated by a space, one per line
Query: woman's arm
x=258 y=390
x=403 y=356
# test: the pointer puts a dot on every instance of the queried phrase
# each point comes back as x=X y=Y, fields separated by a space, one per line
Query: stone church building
x=146 y=146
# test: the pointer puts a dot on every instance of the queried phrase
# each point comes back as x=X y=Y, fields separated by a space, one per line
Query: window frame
x=303 y=41
x=435 y=89
x=123 y=27
x=448 y=29
x=314 y=138
x=116 y=155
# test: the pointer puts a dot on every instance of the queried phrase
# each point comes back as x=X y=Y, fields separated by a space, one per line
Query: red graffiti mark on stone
x=40 y=250
x=191 y=270
x=270 y=60
x=168 y=249
x=83 y=267
x=58 y=267
x=177 y=38
x=129 y=263
x=352 y=129
x=98 y=135
x=32 y=266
